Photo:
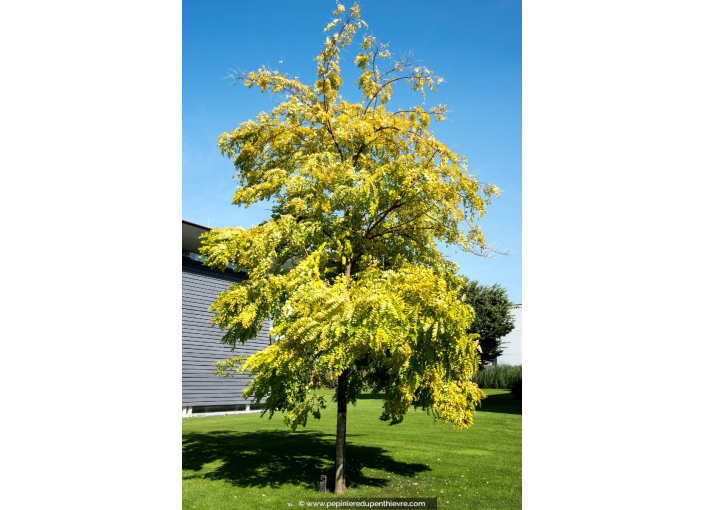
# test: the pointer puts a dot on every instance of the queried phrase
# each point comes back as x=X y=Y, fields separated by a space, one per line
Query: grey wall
x=200 y=341
x=513 y=348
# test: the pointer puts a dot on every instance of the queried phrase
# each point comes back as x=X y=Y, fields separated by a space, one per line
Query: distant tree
x=347 y=268
x=493 y=319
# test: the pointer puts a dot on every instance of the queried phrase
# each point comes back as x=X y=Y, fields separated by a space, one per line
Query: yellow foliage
x=348 y=267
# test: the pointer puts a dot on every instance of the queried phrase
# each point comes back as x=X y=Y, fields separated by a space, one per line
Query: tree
x=347 y=268
x=493 y=319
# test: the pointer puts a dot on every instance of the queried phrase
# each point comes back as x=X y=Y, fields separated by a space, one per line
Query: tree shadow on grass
x=273 y=458
x=501 y=403
x=371 y=396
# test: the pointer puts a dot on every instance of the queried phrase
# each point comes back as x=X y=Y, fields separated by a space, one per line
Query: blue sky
x=474 y=45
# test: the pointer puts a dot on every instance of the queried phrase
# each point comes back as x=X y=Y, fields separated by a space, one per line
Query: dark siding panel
x=201 y=277
x=200 y=341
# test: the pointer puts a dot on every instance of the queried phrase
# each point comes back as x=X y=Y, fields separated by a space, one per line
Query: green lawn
x=251 y=462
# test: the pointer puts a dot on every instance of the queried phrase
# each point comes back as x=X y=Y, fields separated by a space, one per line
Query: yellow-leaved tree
x=347 y=268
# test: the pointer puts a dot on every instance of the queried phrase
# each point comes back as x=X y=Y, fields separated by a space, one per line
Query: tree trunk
x=342 y=383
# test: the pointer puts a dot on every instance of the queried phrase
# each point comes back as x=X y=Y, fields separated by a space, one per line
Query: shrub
x=499 y=376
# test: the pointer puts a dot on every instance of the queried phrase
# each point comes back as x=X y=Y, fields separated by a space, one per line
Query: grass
x=250 y=462
x=499 y=376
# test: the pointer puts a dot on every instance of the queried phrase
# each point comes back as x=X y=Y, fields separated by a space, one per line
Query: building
x=201 y=390
x=512 y=345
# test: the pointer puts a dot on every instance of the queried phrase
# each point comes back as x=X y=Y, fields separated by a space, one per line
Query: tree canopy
x=348 y=267
x=493 y=319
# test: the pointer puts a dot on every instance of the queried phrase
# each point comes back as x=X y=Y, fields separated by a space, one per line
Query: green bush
x=499 y=376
